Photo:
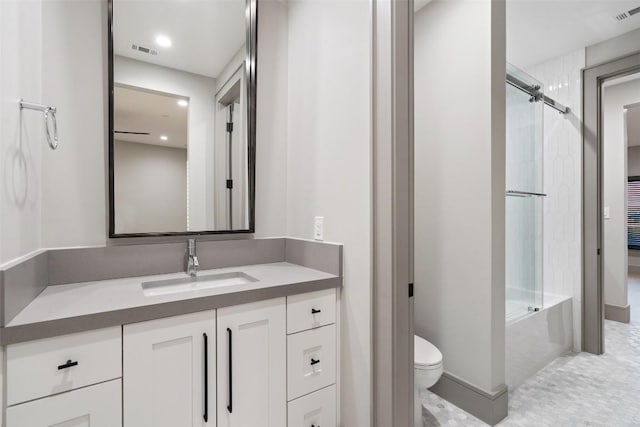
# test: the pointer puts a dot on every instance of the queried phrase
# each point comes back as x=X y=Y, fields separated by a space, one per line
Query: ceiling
x=538 y=30
x=205 y=34
x=138 y=110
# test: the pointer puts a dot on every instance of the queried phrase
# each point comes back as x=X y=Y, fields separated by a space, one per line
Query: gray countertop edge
x=69 y=325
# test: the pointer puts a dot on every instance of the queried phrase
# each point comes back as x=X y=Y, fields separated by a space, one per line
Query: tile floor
x=579 y=389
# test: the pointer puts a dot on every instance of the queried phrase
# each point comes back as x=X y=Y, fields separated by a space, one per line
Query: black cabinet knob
x=69 y=364
x=314 y=361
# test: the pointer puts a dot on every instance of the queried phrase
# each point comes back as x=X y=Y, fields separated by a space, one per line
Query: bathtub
x=537 y=338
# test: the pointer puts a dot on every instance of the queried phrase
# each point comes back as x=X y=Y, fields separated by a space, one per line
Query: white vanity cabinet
x=169 y=372
x=270 y=363
x=252 y=364
x=312 y=355
x=71 y=380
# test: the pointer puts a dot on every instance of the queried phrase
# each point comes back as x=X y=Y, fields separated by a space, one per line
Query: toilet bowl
x=428 y=368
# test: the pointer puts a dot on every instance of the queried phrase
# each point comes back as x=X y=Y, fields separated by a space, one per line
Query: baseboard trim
x=489 y=407
x=617 y=313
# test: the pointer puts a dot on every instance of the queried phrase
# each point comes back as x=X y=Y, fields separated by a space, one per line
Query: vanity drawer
x=311 y=361
x=99 y=405
x=53 y=365
x=317 y=409
x=311 y=310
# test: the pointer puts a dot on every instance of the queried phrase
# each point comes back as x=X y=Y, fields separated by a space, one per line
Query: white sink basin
x=187 y=284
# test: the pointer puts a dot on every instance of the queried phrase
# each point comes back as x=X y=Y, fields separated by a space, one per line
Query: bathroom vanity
x=237 y=346
x=242 y=332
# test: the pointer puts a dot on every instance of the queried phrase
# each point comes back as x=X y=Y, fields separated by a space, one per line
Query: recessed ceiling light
x=183 y=102
x=163 y=41
x=164 y=137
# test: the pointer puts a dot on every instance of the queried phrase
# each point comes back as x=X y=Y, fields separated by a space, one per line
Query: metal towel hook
x=48 y=112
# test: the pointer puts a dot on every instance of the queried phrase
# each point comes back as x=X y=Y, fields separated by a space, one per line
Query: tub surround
x=537 y=339
x=91 y=288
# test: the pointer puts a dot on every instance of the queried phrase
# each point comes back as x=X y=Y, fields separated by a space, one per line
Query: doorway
x=631 y=116
x=598 y=221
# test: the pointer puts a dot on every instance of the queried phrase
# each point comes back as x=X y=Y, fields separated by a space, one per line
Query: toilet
x=427 y=367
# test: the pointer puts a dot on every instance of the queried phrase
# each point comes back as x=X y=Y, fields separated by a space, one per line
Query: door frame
x=392 y=210
x=593 y=254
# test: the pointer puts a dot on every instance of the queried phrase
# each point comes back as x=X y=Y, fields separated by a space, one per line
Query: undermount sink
x=187 y=284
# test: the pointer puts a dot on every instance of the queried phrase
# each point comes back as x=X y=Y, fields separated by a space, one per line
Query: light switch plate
x=318 y=228
x=607 y=212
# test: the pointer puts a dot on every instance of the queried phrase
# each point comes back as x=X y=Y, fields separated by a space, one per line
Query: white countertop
x=79 y=299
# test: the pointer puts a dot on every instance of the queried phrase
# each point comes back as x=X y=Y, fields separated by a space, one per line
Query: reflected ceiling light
x=163 y=41
x=164 y=137
x=183 y=102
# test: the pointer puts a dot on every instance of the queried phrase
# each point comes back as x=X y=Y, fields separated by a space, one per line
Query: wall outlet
x=318 y=228
x=607 y=212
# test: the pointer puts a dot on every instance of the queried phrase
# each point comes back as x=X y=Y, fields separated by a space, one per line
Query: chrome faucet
x=192 y=258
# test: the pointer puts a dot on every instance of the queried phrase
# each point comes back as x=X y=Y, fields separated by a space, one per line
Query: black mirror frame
x=251 y=73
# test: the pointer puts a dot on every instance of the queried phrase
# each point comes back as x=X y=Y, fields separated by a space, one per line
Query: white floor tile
x=579 y=389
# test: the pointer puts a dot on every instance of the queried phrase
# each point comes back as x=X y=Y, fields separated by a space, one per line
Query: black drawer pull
x=313 y=425
x=314 y=361
x=315 y=311
x=229 y=361
x=69 y=364
x=205 y=344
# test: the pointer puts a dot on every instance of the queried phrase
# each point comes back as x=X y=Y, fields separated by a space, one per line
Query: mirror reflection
x=180 y=155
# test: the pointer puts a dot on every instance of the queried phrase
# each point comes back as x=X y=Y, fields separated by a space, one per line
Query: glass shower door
x=524 y=194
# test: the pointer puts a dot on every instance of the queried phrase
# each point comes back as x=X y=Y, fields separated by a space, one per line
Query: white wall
x=75 y=185
x=150 y=187
x=329 y=166
x=633 y=161
x=616 y=47
x=272 y=120
x=21 y=135
x=231 y=67
x=200 y=129
x=73 y=200
x=74 y=179
x=614 y=189
x=459 y=186
x=562 y=211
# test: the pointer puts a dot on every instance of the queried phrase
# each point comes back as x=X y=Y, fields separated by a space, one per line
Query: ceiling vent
x=143 y=49
x=626 y=15
x=622 y=16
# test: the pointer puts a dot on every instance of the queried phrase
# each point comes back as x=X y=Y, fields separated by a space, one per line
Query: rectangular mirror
x=182 y=84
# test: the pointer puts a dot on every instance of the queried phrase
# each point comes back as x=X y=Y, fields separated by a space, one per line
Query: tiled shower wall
x=562 y=259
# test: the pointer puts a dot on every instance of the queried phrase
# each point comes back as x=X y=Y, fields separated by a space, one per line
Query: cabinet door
x=169 y=372
x=252 y=365
x=95 y=406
